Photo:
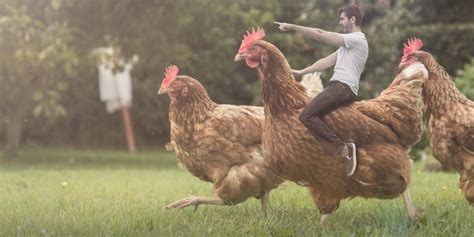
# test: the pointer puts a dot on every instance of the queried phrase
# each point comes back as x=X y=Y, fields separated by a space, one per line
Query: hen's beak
x=239 y=57
x=163 y=90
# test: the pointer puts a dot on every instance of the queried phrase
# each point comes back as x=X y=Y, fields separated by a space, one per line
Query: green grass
x=110 y=193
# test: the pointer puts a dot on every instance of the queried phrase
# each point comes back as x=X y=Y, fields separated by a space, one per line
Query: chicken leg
x=413 y=213
x=265 y=201
x=195 y=201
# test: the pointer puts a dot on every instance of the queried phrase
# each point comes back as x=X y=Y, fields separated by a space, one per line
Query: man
x=349 y=61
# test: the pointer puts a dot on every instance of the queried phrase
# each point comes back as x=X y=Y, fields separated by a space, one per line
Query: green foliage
x=465 y=80
x=201 y=37
x=386 y=35
x=34 y=57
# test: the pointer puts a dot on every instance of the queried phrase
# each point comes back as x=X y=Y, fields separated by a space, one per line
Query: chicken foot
x=195 y=201
x=413 y=213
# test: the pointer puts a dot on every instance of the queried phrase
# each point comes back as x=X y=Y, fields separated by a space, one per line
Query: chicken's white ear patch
x=415 y=70
x=184 y=92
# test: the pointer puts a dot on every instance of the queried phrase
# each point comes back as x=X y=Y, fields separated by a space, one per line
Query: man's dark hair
x=352 y=10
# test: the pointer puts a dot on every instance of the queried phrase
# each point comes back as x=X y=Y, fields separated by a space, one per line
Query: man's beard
x=348 y=28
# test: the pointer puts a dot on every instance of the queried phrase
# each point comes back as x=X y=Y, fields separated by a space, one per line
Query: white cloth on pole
x=115 y=88
x=124 y=82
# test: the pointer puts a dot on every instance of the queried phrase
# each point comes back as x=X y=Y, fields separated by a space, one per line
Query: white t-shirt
x=351 y=60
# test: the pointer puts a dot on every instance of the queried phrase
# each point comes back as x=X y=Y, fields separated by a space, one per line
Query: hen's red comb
x=170 y=74
x=412 y=45
x=250 y=37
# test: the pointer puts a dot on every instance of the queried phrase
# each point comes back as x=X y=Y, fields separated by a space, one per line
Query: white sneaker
x=351 y=159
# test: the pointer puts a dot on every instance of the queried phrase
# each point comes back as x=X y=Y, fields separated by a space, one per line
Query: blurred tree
x=34 y=61
x=447 y=29
x=386 y=35
x=202 y=37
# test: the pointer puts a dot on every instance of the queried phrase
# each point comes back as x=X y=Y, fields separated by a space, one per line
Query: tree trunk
x=13 y=137
x=15 y=126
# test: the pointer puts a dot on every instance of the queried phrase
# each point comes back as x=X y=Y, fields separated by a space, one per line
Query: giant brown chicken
x=383 y=128
x=220 y=144
x=450 y=121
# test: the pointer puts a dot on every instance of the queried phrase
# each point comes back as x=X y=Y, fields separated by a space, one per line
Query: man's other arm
x=318 y=66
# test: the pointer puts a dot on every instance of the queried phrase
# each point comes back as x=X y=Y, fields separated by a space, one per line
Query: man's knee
x=304 y=117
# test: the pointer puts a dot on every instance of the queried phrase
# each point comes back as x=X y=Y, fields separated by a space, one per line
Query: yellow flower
x=444 y=187
x=64 y=184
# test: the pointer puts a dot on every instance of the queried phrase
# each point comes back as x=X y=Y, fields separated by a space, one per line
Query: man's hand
x=284 y=27
x=297 y=73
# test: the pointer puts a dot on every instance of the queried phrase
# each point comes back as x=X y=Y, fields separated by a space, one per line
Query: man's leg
x=311 y=116
x=330 y=98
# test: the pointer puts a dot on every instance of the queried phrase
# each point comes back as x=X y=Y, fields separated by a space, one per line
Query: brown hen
x=383 y=128
x=450 y=122
x=220 y=144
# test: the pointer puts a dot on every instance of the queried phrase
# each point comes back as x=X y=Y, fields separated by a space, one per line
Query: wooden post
x=128 y=129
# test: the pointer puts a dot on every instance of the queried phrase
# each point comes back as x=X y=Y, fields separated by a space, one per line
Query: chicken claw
x=195 y=201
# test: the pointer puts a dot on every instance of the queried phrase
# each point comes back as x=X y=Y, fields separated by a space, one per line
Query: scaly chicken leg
x=265 y=200
x=413 y=213
x=195 y=201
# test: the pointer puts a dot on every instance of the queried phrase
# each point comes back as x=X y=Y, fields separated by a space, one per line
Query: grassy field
x=60 y=192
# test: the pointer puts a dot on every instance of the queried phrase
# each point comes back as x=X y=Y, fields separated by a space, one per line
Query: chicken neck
x=191 y=109
x=439 y=92
x=280 y=92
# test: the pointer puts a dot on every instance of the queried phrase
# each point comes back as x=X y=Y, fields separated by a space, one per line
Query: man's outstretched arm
x=318 y=66
x=328 y=37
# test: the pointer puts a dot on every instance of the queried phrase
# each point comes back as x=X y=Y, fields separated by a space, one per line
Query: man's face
x=346 y=24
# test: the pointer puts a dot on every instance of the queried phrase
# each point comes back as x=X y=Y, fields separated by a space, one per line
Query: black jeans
x=333 y=96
